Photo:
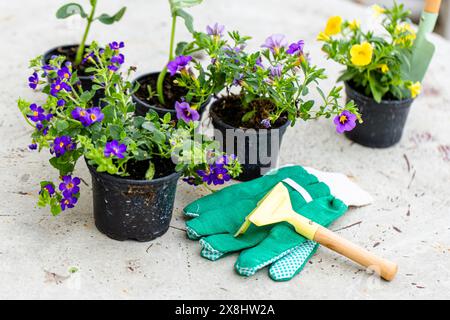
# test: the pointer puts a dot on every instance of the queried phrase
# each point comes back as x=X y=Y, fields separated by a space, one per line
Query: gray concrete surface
x=409 y=221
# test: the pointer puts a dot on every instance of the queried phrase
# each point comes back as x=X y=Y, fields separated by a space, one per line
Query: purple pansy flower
x=296 y=47
x=116 y=149
x=32 y=146
x=69 y=186
x=215 y=30
x=61 y=145
x=178 y=64
x=266 y=123
x=275 y=42
x=33 y=81
x=346 y=121
x=37 y=113
x=185 y=112
x=276 y=71
x=50 y=188
x=57 y=86
x=64 y=73
x=116 y=45
x=215 y=174
x=68 y=202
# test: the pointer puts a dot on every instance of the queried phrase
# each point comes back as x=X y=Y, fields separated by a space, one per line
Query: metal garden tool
x=276 y=207
x=423 y=49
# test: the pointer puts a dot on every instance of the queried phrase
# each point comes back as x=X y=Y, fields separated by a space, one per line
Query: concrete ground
x=408 y=223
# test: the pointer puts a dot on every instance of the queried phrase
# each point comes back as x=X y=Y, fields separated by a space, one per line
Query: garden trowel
x=276 y=207
x=423 y=49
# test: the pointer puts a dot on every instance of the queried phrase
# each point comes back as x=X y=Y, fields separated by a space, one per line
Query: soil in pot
x=257 y=149
x=132 y=208
x=70 y=52
x=383 y=122
x=172 y=94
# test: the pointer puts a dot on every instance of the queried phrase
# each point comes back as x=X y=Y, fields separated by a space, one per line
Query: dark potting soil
x=137 y=169
x=71 y=52
x=172 y=93
x=230 y=110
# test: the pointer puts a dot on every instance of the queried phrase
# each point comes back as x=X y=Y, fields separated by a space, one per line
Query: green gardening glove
x=218 y=216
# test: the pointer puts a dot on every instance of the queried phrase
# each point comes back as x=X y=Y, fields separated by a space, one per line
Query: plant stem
x=162 y=75
x=82 y=45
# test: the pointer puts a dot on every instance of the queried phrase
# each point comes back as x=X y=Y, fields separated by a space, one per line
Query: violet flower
x=116 y=62
x=50 y=188
x=68 y=202
x=276 y=71
x=115 y=149
x=178 y=64
x=33 y=81
x=275 y=42
x=266 y=123
x=32 y=146
x=215 y=30
x=185 y=112
x=296 y=47
x=190 y=180
x=61 y=145
x=69 y=186
x=37 y=113
x=87 y=116
x=346 y=121
x=259 y=63
x=215 y=174
x=117 y=45
x=57 y=86
x=64 y=73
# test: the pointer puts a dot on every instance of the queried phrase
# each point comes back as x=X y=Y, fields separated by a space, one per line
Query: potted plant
x=271 y=91
x=374 y=75
x=76 y=53
x=134 y=161
x=159 y=91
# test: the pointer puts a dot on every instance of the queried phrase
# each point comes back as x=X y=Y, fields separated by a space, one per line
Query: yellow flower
x=406 y=34
x=415 y=89
x=323 y=37
x=384 y=68
x=333 y=26
x=354 y=25
x=361 y=54
x=378 y=10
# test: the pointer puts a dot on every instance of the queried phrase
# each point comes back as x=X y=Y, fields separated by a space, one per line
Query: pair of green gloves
x=218 y=216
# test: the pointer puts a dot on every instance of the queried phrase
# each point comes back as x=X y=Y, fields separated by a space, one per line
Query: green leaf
x=150 y=171
x=61 y=125
x=246 y=117
x=70 y=9
x=188 y=20
x=180 y=48
x=176 y=5
x=107 y=19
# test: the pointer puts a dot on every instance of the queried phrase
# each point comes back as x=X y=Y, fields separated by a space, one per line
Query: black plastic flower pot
x=126 y=209
x=257 y=149
x=70 y=51
x=383 y=122
x=143 y=105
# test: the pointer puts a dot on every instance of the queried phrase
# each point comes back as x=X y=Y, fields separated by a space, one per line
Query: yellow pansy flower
x=378 y=10
x=415 y=89
x=333 y=26
x=323 y=37
x=384 y=68
x=354 y=25
x=361 y=54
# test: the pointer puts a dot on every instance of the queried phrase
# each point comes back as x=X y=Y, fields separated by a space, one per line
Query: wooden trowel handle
x=432 y=6
x=385 y=268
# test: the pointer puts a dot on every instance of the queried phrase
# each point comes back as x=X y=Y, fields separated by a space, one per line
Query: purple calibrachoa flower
x=57 y=86
x=68 y=202
x=95 y=114
x=259 y=63
x=190 y=180
x=179 y=64
x=88 y=56
x=117 y=45
x=185 y=112
x=61 y=145
x=276 y=71
x=237 y=81
x=64 y=74
x=215 y=30
x=69 y=186
x=50 y=188
x=87 y=116
x=346 y=121
x=37 y=113
x=33 y=81
x=115 y=149
x=266 y=123
x=296 y=47
x=47 y=68
x=32 y=146
x=116 y=62
x=225 y=159
x=275 y=42
x=215 y=174
x=61 y=103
